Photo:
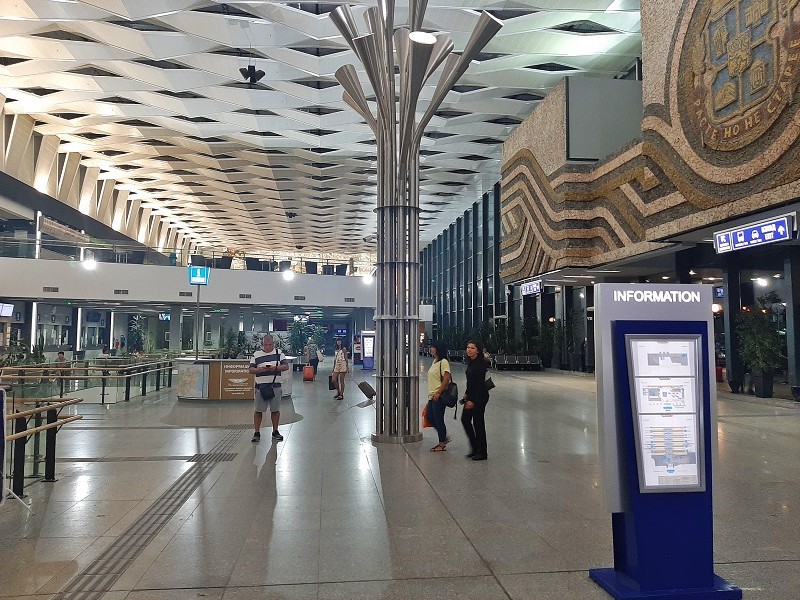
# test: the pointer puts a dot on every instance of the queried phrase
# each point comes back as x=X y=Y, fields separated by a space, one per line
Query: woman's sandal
x=439 y=448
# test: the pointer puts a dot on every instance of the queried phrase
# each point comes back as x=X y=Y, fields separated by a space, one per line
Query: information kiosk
x=368 y=350
x=657 y=426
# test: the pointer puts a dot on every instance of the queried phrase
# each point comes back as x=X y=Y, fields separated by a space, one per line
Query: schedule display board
x=368 y=342
x=667 y=421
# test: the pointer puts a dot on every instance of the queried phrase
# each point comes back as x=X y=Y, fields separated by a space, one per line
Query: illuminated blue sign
x=774 y=230
x=532 y=287
x=199 y=275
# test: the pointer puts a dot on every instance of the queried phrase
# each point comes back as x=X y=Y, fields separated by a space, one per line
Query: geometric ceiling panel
x=151 y=95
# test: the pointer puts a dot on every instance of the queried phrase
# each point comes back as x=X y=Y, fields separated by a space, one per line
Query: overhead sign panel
x=532 y=287
x=199 y=275
x=770 y=231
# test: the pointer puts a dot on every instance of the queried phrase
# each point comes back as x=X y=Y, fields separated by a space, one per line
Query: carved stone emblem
x=739 y=70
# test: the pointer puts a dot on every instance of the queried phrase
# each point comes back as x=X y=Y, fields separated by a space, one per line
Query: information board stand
x=657 y=438
x=368 y=344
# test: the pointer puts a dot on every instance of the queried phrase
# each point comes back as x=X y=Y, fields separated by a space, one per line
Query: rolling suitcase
x=367 y=389
x=308 y=373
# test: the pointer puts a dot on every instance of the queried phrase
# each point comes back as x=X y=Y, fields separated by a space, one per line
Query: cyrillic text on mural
x=738 y=70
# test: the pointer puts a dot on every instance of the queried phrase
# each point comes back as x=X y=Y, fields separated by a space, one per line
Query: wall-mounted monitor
x=6 y=310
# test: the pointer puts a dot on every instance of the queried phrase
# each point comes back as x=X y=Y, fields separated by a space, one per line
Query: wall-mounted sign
x=770 y=231
x=199 y=275
x=62 y=232
x=532 y=287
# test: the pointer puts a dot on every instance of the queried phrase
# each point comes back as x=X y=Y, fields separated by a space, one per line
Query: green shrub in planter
x=760 y=348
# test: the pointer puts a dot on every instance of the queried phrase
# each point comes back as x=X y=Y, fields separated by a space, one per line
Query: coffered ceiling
x=150 y=93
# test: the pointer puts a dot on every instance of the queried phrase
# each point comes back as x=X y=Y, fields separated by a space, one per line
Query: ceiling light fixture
x=288 y=275
x=89 y=264
x=368 y=279
x=761 y=281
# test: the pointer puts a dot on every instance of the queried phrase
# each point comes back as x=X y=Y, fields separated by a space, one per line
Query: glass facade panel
x=460 y=268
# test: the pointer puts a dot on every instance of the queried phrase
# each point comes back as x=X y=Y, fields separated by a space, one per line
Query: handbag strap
x=277 y=362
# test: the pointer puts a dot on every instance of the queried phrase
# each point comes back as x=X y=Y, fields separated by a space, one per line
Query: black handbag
x=450 y=393
x=267 y=390
x=331 y=384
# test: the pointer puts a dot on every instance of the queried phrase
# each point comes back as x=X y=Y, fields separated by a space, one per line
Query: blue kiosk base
x=614 y=584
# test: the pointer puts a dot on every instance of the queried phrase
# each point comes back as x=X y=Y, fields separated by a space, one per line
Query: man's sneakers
x=276 y=435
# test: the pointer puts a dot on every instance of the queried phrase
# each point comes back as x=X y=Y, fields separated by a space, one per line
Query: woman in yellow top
x=438 y=380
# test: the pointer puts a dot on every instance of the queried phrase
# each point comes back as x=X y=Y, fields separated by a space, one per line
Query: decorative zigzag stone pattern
x=682 y=174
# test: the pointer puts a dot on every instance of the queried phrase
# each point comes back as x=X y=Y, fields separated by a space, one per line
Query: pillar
x=791 y=273
x=175 y=314
x=732 y=303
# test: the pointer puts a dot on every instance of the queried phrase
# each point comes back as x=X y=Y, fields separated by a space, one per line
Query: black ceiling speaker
x=251 y=75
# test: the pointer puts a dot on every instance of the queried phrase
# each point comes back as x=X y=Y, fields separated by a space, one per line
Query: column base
x=379 y=438
x=611 y=582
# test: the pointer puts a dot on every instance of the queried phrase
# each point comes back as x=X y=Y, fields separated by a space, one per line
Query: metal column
x=398 y=137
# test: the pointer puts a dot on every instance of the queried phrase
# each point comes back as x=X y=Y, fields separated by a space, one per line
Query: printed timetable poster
x=666 y=404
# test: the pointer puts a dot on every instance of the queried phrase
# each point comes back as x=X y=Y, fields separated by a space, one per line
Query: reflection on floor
x=164 y=499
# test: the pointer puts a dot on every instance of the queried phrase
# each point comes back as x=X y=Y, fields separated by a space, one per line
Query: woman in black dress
x=475 y=398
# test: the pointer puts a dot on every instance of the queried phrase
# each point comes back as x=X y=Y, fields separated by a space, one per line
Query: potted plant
x=231 y=348
x=760 y=348
x=136 y=334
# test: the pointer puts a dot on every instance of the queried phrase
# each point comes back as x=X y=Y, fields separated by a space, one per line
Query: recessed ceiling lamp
x=89 y=264
x=288 y=275
x=368 y=279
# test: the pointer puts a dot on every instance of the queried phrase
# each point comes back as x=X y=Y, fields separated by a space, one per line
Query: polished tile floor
x=160 y=499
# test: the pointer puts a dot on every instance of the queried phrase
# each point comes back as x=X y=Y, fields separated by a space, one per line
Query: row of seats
x=518 y=363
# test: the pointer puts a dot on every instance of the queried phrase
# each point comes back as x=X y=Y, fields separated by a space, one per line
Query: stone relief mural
x=721 y=144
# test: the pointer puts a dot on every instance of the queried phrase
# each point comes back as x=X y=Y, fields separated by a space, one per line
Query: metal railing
x=22 y=433
x=115 y=252
x=54 y=380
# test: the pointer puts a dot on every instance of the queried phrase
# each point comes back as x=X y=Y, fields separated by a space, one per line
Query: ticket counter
x=216 y=379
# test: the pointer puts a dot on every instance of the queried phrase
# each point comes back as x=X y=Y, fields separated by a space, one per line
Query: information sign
x=532 y=287
x=199 y=275
x=774 y=230
x=368 y=343
x=664 y=393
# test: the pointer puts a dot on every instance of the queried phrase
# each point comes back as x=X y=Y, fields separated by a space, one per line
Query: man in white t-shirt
x=267 y=365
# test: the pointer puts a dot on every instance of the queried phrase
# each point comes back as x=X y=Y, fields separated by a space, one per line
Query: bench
x=529 y=362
